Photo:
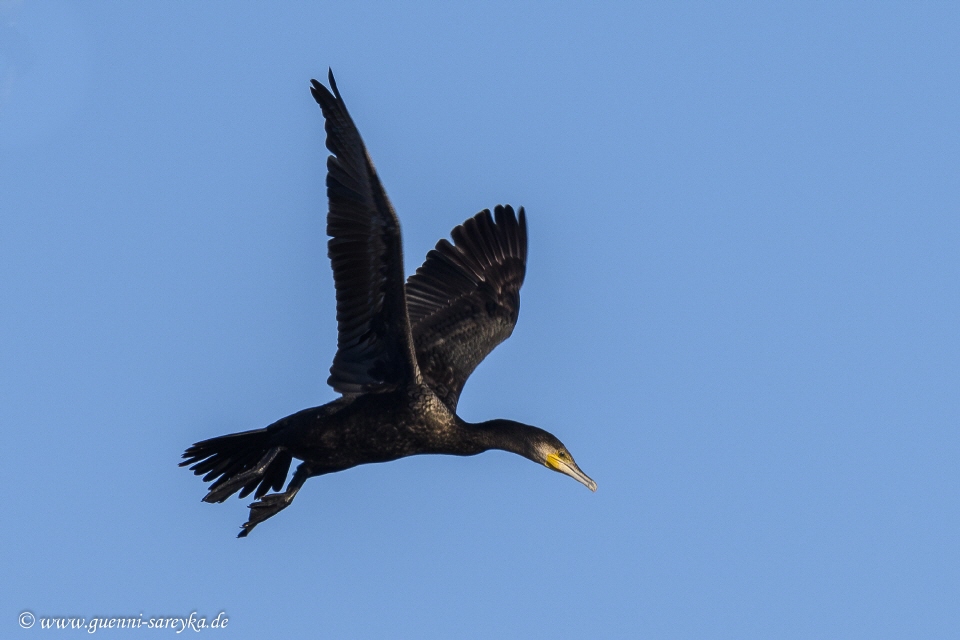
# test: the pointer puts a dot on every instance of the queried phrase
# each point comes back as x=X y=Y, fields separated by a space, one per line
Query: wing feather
x=465 y=298
x=374 y=343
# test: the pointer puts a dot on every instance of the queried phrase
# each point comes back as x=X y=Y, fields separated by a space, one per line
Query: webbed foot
x=266 y=507
x=271 y=505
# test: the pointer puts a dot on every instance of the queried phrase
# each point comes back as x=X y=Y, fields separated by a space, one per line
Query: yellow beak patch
x=553 y=461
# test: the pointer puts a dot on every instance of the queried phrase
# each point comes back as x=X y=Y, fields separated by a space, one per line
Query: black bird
x=403 y=352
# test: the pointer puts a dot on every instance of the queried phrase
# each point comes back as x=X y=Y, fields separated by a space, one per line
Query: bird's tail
x=241 y=462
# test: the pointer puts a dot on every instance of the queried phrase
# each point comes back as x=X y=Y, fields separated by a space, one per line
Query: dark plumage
x=404 y=352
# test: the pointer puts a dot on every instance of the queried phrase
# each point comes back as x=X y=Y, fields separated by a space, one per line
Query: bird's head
x=530 y=442
x=550 y=452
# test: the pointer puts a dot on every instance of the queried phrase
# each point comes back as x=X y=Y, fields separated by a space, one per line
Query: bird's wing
x=465 y=299
x=374 y=344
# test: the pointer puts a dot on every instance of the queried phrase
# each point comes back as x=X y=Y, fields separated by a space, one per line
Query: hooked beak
x=570 y=468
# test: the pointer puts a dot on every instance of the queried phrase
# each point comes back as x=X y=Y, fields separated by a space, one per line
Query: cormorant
x=403 y=352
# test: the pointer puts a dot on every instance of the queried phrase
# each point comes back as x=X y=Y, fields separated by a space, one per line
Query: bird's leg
x=270 y=505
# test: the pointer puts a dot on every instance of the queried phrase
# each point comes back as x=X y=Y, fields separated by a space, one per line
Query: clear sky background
x=740 y=314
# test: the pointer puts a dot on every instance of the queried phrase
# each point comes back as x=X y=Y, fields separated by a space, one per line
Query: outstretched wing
x=465 y=299
x=374 y=345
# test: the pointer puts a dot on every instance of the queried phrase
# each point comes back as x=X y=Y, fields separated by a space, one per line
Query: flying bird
x=404 y=350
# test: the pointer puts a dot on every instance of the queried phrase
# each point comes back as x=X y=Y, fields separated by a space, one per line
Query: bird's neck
x=506 y=435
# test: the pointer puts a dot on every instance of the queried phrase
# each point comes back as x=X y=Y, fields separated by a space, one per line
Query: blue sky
x=740 y=314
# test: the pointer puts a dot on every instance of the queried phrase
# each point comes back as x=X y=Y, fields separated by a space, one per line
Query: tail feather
x=225 y=458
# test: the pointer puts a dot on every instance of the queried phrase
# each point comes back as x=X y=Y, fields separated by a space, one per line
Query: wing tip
x=333 y=83
x=323 y=95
